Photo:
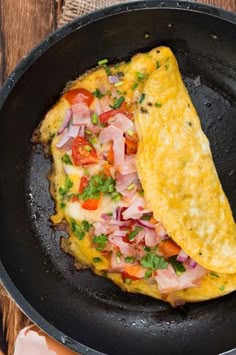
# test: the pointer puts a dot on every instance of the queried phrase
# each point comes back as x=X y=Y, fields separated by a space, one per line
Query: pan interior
x=87 y=308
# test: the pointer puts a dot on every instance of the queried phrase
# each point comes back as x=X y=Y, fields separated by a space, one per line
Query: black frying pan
x=80 y=309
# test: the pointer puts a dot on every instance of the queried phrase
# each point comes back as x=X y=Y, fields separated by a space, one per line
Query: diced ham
x=119 y=152
x=74 y=131
x=125 y=248
x=110 y=133
x=151 y=238
x=81 y=114
x=66 y=120
x=96 y=106
x=117 y=263
x=124 y=181
x=136 y=209
x=65 y=142
x=168 y=281
x=129 y=165
x=121 y=121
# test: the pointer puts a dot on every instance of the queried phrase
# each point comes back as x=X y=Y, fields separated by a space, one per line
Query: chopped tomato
x=130 y=146
x=153 y=220
x=74 y=199
x=106 y=168
x=75 y=96
x=104 y=117
x=83 y=183
x=169 y=248
x=126 y=239
x=83 y=153
x=131 y=272
x=90 y=204
x=110 y=155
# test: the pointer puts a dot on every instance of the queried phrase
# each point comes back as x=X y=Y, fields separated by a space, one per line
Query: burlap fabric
x=75 y=8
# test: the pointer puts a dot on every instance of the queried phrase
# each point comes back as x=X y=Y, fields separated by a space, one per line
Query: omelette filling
x=102 y=198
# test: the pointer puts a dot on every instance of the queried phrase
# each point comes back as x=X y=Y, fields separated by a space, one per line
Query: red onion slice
x=74 y=131
x=146 y=224
x=68 y=115
x=113 y=79
x=182 y=256
x=65 y=143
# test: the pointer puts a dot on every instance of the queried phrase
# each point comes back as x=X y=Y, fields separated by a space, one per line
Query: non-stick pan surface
x=80 y=309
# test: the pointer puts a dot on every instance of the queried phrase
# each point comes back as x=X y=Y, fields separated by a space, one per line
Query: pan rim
x=22 y=67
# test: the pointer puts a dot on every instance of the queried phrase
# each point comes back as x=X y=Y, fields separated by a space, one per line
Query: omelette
x=135 y=185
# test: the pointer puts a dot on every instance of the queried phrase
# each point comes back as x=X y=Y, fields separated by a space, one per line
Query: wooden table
x=23 y=23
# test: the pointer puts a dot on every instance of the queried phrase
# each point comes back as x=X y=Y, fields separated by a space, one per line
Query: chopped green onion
x=133 y=234
x=62 y=205
x=214 y=274
x=118 y=84
x=130 y=187
x=97 y=260
x=140 y=76
x=158 y=104
x=108 y=71
x=157 y=64
x=146 y=217
x=127 y=281
x=130 y=132
x=222 y=288
x=130 y=259
x=116 y=66
x=97 y=93
x=118 y=253
x=66 y=159
x=142 y=97
x=118 y=102
x=148 y=274
x=88 y=148
x=94 y=118
x=103 y=61
x=93 y=140
x=134 y=86
x=89 y=133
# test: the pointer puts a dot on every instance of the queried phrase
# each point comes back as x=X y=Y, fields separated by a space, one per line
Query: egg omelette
x=134 y=182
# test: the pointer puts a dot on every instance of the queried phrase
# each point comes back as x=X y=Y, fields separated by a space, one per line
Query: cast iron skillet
x=79 y=309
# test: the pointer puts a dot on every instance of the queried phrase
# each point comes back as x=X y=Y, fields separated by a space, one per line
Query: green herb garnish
x=130 y=259
x=148 y=274
x=158 y=104
x=157 y=64
x=140 y=76
x=97 y=260
x=98 y=184
x=79 y=230
x=97 y=93
x=66 y=159
x=154 y=262
x=222 y=288
x=103 y=61
x=65 y=189
x=134 y=86
x=133 y=234
x=101 y=241
x=142 y=97
x=118 y=102
x=146 y=217
x=63 y=205
x=177 y=265
x=214 y=274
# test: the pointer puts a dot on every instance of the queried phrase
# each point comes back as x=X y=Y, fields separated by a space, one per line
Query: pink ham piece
x=151 y=238
x=129 y=165
x=136 y=209
x=168 y=281
x=65 y=142
x=121 y=121
x=117 y=263
x=74 y=131
x=67 y=118
x=119 y=152
x=96 y=106
x=110 y=133
x=124 y=181
x=81 y=114
x=124 y=248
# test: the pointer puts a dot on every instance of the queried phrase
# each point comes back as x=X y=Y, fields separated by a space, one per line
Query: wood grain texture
x=23 y=24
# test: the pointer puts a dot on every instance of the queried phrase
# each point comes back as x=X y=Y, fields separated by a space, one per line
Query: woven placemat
x=74 y=8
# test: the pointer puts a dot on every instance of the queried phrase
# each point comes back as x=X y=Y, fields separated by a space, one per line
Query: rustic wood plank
x=225 y=4
x=23 y=24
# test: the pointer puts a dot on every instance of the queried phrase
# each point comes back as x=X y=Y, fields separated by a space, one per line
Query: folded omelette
x=135 y=184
